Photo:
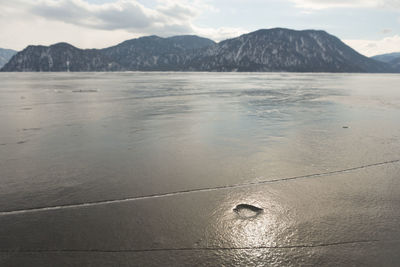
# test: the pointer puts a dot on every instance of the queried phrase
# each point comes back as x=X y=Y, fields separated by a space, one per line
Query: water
x=130 y=169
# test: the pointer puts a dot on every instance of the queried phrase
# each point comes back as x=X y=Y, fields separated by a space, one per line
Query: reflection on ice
x=247 y=225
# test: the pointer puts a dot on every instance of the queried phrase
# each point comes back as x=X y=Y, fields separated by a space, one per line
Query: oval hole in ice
x=247 y=210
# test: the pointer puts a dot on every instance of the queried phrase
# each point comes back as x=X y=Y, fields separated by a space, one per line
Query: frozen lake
x=106 y=169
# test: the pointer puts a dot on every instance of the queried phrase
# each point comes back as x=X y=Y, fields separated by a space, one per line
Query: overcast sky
x=370 y=26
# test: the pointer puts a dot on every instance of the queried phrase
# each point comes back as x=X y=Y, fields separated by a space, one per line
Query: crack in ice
x=187 y=191
x=317 y=245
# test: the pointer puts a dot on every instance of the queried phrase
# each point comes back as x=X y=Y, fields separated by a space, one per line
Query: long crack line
x=353 y=242
x=204 y=189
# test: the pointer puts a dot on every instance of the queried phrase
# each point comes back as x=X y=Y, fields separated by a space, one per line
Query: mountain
x=263 y=50
x=145 y=53
x=284 y=50
x=393 y=59
x=387 y=57
x=60 y=57
x=5 y=55
x=395 y=63
x=156 y=53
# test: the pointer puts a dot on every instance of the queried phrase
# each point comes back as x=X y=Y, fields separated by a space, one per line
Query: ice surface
x=148 y=169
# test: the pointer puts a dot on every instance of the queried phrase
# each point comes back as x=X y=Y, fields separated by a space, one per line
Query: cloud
x=386 y=31
x=18 y=34
x=376 y=47
x=127 y=15
x=168 y=17
x=325 y=4
x=89 y=25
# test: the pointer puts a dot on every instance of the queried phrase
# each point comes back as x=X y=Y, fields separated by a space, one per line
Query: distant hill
x=396 y=63
x=263 y=50
x=60 y=57
x=392 y=59
x=387 y=57
x=5 y=56
x=156 y=53
x=145 y=53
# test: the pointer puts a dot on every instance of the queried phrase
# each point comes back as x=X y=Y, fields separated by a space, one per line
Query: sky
x=370 y=26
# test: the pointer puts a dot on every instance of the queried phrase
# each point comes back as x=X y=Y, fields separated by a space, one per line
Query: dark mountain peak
x=280 y=49
x=156 y=53
x=274 y=33
x=282 y=31
x=150 y=37
x=190 y=42
x=271 y=31
x=187 y=42
x=34 y=46
x=187 y=36
x=194 y=38
x=62 y=44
